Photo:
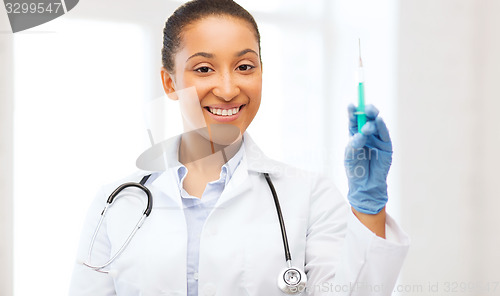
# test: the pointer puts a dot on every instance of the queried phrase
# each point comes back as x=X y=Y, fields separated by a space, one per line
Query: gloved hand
x=367 y=160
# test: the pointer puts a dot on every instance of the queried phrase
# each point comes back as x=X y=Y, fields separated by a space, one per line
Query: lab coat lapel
x=256 y=159
x=239 y=183
x=166 y=182
x=253 y=161
x=166 y=186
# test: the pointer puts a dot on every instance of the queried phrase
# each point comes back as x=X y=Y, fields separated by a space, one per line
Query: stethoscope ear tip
x=112 y=272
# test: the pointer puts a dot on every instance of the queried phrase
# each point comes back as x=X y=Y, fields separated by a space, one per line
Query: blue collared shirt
x=196 y=211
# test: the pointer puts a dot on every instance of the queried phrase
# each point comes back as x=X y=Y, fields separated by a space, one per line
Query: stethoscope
x=291 y=280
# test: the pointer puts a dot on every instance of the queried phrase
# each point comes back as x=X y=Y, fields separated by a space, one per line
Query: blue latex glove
x=367 y=160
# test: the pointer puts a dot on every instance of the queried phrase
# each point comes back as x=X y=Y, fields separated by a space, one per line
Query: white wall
x=448 y=107
x=6 y=164
x=488 y=145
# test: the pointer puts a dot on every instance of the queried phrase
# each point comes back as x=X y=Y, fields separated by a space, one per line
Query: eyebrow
x=211 y=56
x=239 y=54
x=201 y=54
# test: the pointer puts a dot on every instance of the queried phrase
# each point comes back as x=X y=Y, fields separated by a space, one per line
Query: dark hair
x=193 y=11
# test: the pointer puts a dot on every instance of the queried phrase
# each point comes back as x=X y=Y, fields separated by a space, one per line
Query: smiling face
x=219 y=57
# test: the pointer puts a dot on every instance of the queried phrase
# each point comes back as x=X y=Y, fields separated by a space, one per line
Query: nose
x=227 y=87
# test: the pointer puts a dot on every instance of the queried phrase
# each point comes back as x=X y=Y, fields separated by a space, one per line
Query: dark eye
x=245 y=67
x=203 y=69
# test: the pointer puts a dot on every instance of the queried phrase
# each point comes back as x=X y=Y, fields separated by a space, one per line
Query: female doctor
x=214 y=228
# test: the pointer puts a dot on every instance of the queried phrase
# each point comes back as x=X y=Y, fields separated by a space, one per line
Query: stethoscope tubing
x=123 y=247
x=109 y=202
x=288 y=257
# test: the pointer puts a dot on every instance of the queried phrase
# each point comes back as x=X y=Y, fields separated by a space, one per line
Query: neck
x=200 y=152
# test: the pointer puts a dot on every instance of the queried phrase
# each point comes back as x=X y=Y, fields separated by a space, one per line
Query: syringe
x=361 y=93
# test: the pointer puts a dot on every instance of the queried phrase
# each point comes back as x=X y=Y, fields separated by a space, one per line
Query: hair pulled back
x=191 y=12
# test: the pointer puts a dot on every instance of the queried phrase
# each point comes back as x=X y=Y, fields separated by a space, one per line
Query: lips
x=224 y=113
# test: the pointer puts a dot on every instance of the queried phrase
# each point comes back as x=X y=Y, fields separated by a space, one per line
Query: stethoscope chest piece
x=292 y=280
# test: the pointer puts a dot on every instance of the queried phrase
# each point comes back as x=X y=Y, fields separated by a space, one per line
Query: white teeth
x=224 y=112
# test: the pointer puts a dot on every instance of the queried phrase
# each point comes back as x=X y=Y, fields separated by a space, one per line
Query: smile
x=224 y=112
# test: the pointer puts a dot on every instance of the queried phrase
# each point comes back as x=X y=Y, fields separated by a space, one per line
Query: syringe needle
x=359 y=46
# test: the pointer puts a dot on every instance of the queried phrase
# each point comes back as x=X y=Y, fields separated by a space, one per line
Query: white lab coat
x=241 y=248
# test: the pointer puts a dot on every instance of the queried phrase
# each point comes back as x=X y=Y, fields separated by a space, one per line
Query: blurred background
x=72 y=95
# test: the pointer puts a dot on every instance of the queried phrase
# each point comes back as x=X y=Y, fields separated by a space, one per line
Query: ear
x=168 y=83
